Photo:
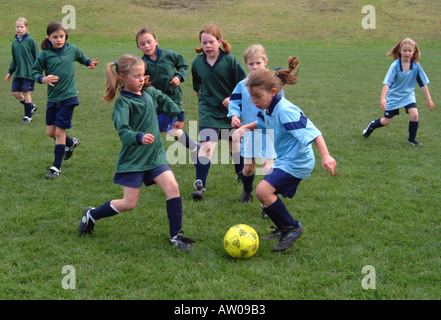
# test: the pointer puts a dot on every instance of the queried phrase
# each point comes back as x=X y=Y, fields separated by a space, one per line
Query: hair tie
x=277 y=69
x=114 y=62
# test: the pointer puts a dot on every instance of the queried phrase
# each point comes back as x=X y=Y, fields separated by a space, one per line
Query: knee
x=261 y=194
x=172 y=190
x=248 y=170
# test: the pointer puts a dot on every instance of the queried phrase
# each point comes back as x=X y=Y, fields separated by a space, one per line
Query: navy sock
x=377 y=124
x=174 y=214
x=187 y=142
x=69 y=141
x=59 y=153
x=238 y=162
x=202 y=168
x=413 y=128
x=28 y=109
x=248 y=183
x=21 y=101
x=280 y=215
x=103 y=211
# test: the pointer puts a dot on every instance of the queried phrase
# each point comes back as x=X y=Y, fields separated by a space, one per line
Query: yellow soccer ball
x=241 y=241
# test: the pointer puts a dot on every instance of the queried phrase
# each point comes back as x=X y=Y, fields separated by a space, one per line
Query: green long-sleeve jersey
x=24 y=54
x=133 y=117
x=59 y=63
x=167 y=65
x=214 y=84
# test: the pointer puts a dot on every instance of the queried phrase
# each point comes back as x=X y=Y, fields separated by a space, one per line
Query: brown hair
x=268 y=79
x=51 y=28
x=122 y=66
x=143 y=31
x=255 y=49
x=215 y=32
x=396 y=51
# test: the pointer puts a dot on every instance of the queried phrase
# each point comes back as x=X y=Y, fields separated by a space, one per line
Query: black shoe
x=70 y=150
x=34 y=109
x=274 y=234
x=367 y=132
x=199 y=190
x=415 y=143
x=87 y=223
x=181 y=242
x=246 y=197
x=288 y=237
x=26 y=120
x=54 y=172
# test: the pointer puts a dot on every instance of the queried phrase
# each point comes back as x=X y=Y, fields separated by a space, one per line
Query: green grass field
x=381 y=209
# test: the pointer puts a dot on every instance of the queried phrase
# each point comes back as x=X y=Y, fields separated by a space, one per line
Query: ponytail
x=267 y=79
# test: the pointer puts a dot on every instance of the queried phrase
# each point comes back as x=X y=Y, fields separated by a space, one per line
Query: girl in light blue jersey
x=241 y=110
x=398 y=88
x=293 y=134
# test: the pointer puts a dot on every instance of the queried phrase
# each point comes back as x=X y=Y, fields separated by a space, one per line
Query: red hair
x=215 y=32
x=396 y=51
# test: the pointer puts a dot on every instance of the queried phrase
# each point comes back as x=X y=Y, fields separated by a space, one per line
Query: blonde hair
x=215 y=32
x=23 y=20
x=255 y=49
x=268 y=79
x=122 y=67
x=396 y=51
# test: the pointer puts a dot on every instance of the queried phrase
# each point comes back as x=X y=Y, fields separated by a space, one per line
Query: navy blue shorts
x=389 y=114
x=213 y=134
x=136 y=179
x=22 y=85
x=60 y=113
x=165 y=123
x=284 y=183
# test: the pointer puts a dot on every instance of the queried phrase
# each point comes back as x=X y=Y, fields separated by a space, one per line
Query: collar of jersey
x=219 y=58
x=158 y=55
x=59 y=52
x=130 y=94
x=401 y=68
x=273 y=104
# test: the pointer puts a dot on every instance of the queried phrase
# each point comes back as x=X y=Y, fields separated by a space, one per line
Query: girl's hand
x=8 y=77
x=329 y=164
x=226 y=102
x=148 y=139
x=178 y=125
x=93 y=64
x=431 y=105
x=175 y=82
x=235 y=122
x=50 y=79
x=197 y=94
x=383 y=104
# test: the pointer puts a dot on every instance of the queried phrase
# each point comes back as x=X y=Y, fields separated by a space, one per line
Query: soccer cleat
x=199 y=190
x=54 y=172
x=288 y=237
x=70 y=150
x=415 y=143
x=181 y=242
x=246 y=197
x=194 y=154
x=274 y=234
x=34 y=109
x=26 y=120
x=87 y=223
x=367 y=132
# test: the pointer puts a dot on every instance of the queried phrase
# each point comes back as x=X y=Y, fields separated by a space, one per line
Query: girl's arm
x=238 y=133
x=383 y=96
x=328 y=162
x=430 y=103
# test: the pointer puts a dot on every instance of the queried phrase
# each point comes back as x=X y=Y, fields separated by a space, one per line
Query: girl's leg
x=204 y=160
x=108 y=209
x=18 y=96
x=266 y=164
x=167 y=182
x=247 y=180
x=28 y=106
x=238 y=160
x=413 y=125
x=185 y=140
